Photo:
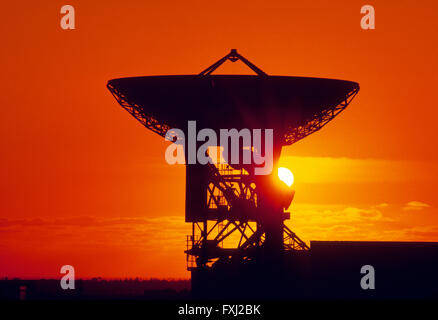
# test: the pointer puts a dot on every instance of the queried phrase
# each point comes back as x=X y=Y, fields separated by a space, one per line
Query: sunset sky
x=83 y=183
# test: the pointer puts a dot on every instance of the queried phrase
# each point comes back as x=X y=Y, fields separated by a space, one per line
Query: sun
x=286 y=175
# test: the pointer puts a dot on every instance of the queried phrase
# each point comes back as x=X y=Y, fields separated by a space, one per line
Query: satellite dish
x=231 y=195
x=294 y=106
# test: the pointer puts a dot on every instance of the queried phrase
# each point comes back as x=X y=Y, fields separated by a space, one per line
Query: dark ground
x=50 y=289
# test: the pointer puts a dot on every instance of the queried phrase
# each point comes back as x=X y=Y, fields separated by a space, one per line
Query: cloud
x=84 y=231
x=381 y=222
x=424 y=232
x=97 y=246
x=143 y=245
x=415 y=206
x=331 y=214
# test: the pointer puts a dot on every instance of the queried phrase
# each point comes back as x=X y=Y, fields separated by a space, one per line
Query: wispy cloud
x=85 y=231
x=106 y=246
x=415 y=206
x=109 y=247
x=380 y=222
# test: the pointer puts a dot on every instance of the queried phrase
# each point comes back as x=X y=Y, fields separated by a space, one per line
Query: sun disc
x=286 y=175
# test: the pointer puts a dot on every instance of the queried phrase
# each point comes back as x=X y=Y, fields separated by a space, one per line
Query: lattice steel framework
x=318 y=121
x=232 y=204
x=138 y=113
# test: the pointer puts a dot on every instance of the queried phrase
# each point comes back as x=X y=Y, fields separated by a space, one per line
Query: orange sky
x=83 y=183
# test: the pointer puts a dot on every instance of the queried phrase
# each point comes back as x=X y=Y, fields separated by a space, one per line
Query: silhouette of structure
x=227 y=203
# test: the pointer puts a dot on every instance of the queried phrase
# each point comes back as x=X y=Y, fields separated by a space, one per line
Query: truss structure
x=137 y=112
x=318 y=121
x=232 y=228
